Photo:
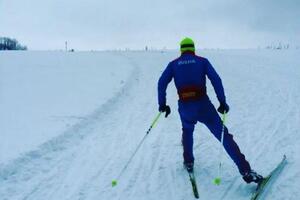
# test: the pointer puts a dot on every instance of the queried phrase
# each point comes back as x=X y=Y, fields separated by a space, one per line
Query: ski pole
x=114 y=182
x=153 y=123
x=217 y=180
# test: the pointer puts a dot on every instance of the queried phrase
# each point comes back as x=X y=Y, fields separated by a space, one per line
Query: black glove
x=223 y=108
x=165 y=108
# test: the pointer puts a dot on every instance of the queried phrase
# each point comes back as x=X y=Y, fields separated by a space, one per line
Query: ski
x=194 y=184
x=266 y=182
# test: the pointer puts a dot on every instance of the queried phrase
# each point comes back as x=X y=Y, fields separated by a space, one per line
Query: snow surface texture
x=70 y=122
x=45 y=93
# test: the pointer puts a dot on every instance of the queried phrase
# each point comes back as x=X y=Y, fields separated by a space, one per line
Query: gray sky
x=111 y=24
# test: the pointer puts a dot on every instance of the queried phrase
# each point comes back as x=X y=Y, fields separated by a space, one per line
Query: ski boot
x=189 y=166
x=252 y=176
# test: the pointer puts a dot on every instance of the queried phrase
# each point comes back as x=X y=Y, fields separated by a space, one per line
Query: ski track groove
x=111 y=150
x=27 y=166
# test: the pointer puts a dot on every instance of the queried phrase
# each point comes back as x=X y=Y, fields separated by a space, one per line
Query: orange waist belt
x=191 y=93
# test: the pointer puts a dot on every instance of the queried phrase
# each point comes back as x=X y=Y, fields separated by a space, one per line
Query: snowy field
x=45 y=93
x=70 y=121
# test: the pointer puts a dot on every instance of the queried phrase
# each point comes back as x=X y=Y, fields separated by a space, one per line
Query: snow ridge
x=33 y=164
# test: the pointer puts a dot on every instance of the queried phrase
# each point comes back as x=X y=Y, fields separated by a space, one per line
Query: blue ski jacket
x=189 y=72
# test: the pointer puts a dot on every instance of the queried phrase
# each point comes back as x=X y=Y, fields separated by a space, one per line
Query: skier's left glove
x=165 y=108
x=223 y=108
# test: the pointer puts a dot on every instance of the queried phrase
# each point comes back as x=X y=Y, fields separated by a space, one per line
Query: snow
x=70 y=122
x=44 y=93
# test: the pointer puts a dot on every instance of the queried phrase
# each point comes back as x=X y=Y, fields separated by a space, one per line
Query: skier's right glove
x=223 y=108
x=165 y=108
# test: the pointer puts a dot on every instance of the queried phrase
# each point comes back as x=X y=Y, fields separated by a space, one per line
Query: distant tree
x=7 y=43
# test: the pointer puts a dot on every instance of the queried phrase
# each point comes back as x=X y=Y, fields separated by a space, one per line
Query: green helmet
x=187 y=44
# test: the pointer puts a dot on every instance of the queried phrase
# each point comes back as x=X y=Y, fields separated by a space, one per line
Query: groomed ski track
x=263 y=90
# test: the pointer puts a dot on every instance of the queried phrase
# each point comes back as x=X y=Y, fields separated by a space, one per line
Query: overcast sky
x=112 y=24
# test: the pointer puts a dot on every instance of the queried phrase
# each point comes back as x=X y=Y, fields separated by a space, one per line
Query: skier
x=189 y=72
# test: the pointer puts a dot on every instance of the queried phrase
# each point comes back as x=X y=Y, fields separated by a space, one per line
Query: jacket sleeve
x=216 y=82
x=163 y=82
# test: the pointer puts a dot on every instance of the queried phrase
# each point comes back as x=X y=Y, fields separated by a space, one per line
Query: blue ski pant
x=203 y=111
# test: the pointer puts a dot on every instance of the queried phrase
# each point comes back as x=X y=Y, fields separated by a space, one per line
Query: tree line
x=7 y=43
